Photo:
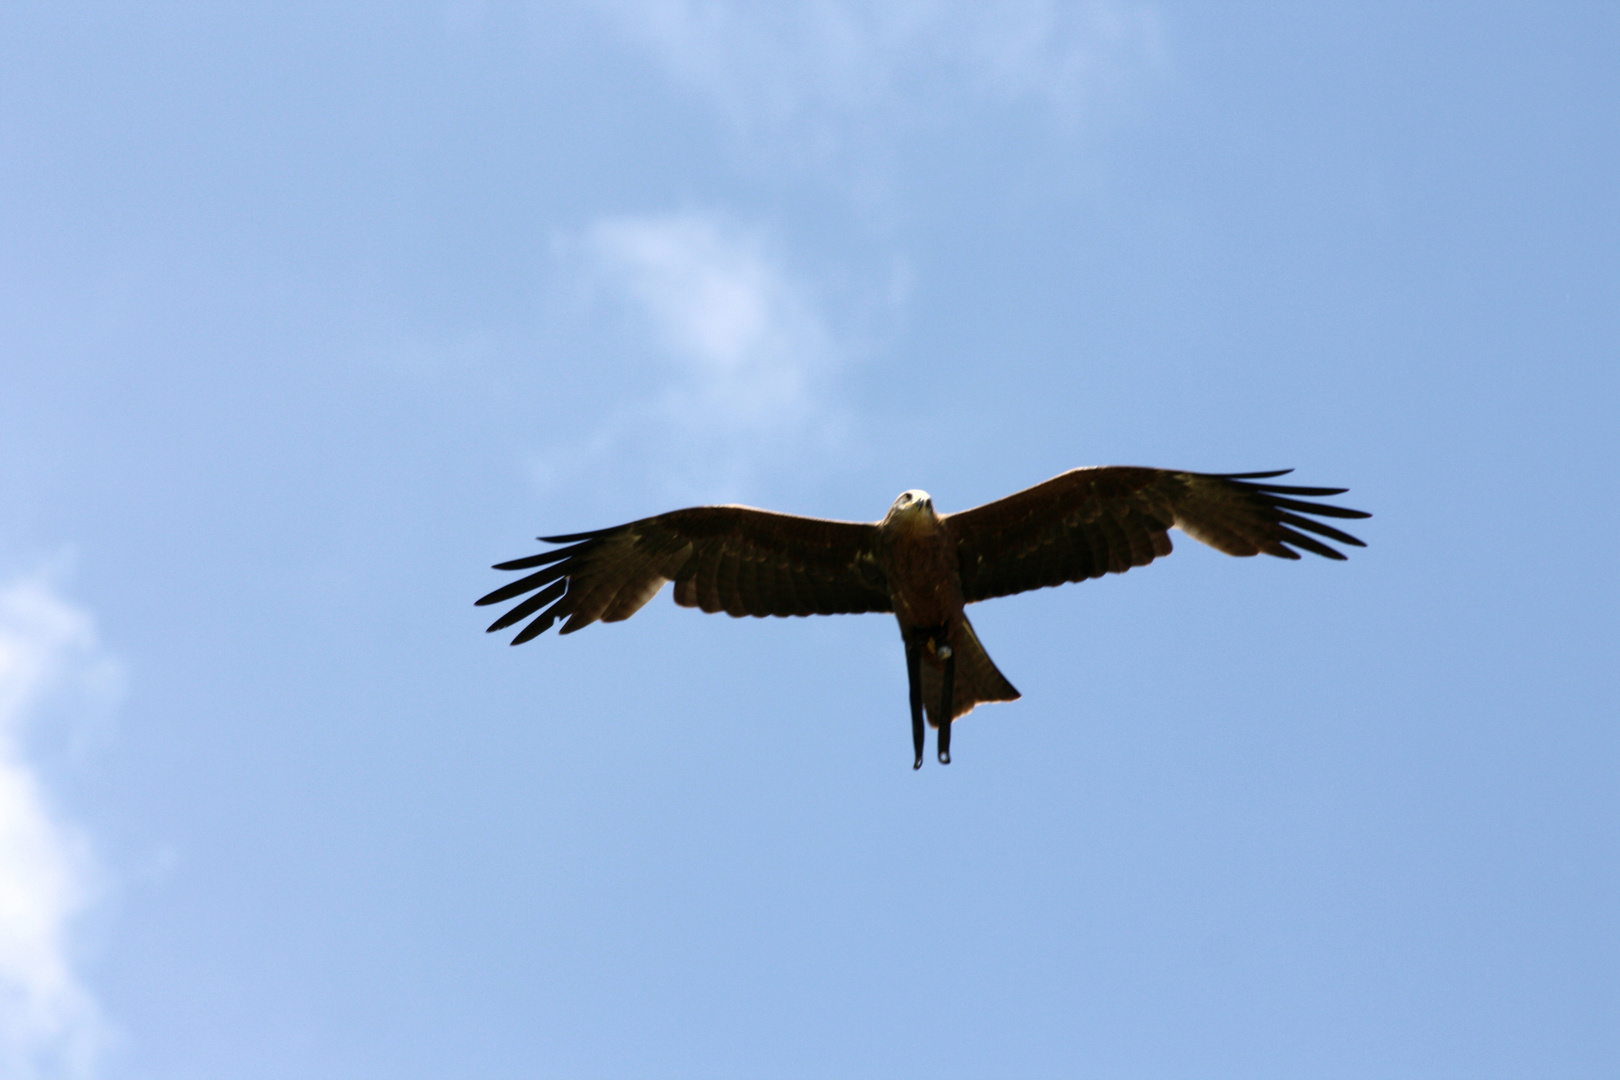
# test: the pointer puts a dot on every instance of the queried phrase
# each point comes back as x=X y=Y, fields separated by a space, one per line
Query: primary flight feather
x=919 y=565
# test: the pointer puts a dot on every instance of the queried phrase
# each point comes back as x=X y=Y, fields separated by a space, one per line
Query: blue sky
x=310 y=313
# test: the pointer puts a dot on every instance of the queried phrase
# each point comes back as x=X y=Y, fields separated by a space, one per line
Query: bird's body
x=922 y=567
x=917 y=555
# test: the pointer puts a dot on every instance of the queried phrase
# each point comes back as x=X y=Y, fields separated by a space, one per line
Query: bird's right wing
x=1089 y=522
x=722 y=558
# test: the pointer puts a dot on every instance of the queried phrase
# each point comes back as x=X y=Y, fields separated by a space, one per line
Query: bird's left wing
x=1089 y=522
x=722 y=558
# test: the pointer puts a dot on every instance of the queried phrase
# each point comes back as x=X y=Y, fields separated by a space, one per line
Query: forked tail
x=977 y=680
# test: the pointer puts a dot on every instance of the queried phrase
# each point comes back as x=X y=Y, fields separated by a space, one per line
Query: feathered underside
x=1089 y=522
x=721 y=558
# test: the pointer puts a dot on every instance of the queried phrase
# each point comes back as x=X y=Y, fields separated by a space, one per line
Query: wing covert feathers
x=1089 y=522
x=722 y=558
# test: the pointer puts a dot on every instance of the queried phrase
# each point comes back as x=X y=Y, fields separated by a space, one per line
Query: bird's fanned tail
x=977 y=678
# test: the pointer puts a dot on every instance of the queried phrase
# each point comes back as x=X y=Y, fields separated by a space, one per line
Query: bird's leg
x=947 y=691
x=914 y=676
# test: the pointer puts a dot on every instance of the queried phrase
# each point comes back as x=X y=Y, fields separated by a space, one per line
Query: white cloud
x=50 y=1025
x=732 y=364
x=829 y=77
x=723 y=309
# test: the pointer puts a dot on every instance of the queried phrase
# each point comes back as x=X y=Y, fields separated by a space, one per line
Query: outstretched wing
x=1090 y=522
x=722 y=558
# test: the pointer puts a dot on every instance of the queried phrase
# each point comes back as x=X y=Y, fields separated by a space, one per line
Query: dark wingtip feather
x=1277 y=489
x=535 y=629
x=529 y=562
x=531 y=605
x=1252 y=475
x=1274 y=498
x=1319 y=509
x=1300 y=540
x=1284 y=489
x=1319 y=529
x=572 y=538
x=517 y=588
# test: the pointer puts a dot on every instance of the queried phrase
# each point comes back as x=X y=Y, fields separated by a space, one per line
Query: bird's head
x=910 y=505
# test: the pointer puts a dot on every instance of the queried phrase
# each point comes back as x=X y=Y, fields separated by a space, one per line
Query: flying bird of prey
x=920 y=565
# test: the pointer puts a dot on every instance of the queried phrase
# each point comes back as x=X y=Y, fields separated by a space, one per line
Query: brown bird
x=915 y=563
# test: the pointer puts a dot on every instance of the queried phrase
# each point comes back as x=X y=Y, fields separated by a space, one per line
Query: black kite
x=915 y=563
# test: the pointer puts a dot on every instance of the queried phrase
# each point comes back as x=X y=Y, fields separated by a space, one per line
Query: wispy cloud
x=834 y=78
x=50 y=1025
x=745 y=336
x=731 y=362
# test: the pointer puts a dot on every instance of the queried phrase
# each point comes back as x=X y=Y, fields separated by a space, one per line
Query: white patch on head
x=909 y=498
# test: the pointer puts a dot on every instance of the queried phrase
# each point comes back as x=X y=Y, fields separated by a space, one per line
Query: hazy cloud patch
x=50 y=1025
x=833 y=79
x=725 y=365
x=723 y=309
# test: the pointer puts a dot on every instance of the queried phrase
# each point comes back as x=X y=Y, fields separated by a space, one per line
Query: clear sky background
x=309 y=313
